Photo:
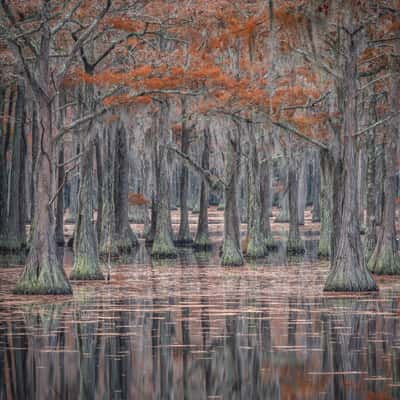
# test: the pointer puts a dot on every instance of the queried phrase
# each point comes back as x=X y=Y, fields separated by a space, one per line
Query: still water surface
x=190 y=329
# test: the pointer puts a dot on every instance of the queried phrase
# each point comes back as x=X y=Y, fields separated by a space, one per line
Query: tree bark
x=385 y=258
x=256 y=246
x=99 y=170
x=283 y=214
x=163 y=245
x=348 y=268
x=325 y=198
x=108 y=224
x=184 y=235
x=302 y=186
x=60 y=199
x=86 y=258
x=370 y=235
x=265 y=192
x=316 y=189
x=126 y=239
x=202 y=240
x=13 y=238
x=43 y=273
x=295 y=244
x=231 y=251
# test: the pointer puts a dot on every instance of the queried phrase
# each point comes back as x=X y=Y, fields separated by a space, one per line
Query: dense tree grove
x=114 y=112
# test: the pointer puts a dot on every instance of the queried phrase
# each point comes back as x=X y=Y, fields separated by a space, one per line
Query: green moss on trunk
x=51 y=280
x=202 y=242
x=84 y=271
x=231 y=254
x=271 y=244
x=163 y=247
x=295 y=246
x=385 y=262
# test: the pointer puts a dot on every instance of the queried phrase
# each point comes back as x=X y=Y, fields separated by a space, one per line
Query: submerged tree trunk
x=302 y=186
x=265 y=192
x=13 y=237
x=380 y=176
x=3 y=165
x=231 y=251
x=255 y=233
x=202 y=240
x=86 y=257
x=163 y=245
x=43 y=273
x=316 y=189
x=99 y=170
x=108 y=229
x=60 y=198
x=126 y=239
x=325 y=198
x=385 y=258
x=86 y=253
x=370 y=235
x=184 y=235
x=283 y=214
x=295 y=244
x=348 y=268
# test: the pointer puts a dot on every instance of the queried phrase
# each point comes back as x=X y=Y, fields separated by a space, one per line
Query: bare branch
x=213 y=181
x=319 y=63
x=301 y=135
x=373 y=126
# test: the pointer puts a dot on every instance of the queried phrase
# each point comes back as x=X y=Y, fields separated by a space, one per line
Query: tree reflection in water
x=188 y=329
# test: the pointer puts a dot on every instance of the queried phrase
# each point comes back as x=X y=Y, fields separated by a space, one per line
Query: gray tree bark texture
x=231 y=250
x=184 y=235
x=202 y=240
x=385 y=259
x=348 y=267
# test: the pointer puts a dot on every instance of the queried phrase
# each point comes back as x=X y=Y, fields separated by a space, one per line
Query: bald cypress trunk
x=86 y=253
x=163 y=244
x=86 y=258
x=126 y=239
x=302 y=186
x=43 y=273
x=231 y=251
x=265 y=192
x=60 y=199
x=348 y=268
x=184 y=235
x=380 y=174
x=108 y=224
x=316 y=189
x=283 y=214
x=13 y=237
x=325 y=198
x=3 y=166
x=295 y=244
x=385 y=258
x=256 y=241
x=34 y=152
x=99 y=170
x=202 y=240
x=370 y=235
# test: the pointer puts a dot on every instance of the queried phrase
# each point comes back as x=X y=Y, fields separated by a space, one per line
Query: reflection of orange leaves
x=137 y=199
x=398 y=200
